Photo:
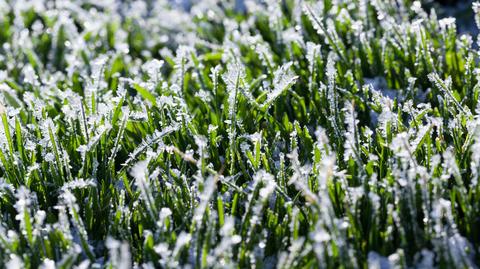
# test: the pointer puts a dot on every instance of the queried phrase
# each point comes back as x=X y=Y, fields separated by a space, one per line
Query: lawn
x=231 y=134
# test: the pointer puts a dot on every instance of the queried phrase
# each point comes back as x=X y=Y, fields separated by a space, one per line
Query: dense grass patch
x=288 y=134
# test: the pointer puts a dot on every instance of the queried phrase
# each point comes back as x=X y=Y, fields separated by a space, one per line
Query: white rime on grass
x=283 y=79
x=238 y=134
x=140 y=174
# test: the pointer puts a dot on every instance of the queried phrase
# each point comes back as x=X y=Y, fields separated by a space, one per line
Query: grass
x=290 y=134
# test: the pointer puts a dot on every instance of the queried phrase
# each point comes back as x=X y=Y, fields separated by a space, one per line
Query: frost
x=165 y=212
x=153 y=69
x=268 y=184
x=15 y=262
x=283 y=79
x=227 y=134
x=80 y=183
x=23 y=205
x=377 y=261
x=120 y=256
x=447 y=23
x=351 y=133
x=264 y=53
x=205 y=196
x=182 y=240
x=30 y=76
x=313 y=51
x=233 y=78
x=48 y=264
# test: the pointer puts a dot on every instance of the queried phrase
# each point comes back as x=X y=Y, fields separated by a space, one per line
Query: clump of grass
x=288 y=134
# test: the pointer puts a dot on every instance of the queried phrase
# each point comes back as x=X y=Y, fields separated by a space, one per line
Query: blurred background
x=459 y=9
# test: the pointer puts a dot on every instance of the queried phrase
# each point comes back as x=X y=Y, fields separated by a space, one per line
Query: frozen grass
x=295 y=134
